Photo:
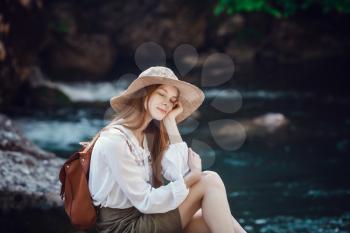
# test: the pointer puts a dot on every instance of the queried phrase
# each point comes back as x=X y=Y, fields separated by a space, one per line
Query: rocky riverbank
x=29 y=185
x=29 y=174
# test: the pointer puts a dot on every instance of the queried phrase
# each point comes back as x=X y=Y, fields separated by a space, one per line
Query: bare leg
x=209 y=193
x=197 y=224
x=216 y=210
x=238 y=228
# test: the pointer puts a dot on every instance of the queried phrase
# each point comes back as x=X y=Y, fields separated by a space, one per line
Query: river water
x=286 y=170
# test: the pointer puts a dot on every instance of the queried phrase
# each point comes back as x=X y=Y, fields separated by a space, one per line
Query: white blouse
x=121 y=176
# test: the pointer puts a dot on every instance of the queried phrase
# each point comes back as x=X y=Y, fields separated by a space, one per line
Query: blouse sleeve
x=175 y=161
x=131 y=179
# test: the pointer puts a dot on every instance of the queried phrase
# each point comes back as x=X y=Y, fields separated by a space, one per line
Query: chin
x=158 y=117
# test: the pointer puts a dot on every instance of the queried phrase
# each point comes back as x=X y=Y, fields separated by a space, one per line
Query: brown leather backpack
x=74 y=176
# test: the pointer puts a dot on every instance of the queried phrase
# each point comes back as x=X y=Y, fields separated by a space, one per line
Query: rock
x=38 y=91
x=274 y=126
x=168 y=32
x=169 y=23
x=2 y=51
x=23 y=32
x=271 y=121
x=91 y=55
x=37 y=79
x=29 y=174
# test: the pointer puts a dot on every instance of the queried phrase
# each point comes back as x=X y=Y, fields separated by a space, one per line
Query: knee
x=212 y=179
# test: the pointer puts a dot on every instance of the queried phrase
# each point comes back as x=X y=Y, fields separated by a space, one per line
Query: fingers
x=193 y=153
x=190 y=151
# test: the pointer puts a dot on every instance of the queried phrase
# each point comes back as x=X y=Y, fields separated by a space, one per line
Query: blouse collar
x=134 y=139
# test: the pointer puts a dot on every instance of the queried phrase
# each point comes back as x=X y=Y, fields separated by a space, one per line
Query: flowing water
x=290 y=174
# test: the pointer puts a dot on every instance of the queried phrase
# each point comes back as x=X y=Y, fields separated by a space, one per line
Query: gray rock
x=29 y=174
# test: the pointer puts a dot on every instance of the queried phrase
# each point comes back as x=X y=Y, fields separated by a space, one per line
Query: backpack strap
x=88 y=147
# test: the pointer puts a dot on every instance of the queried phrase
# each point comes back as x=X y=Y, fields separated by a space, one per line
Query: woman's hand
x=170 y=123
x=194 y=161
x=177 y=109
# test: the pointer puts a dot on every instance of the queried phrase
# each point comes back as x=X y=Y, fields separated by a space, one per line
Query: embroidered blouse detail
x=120 y=173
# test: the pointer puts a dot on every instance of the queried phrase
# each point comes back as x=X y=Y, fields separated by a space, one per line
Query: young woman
x=140 y=146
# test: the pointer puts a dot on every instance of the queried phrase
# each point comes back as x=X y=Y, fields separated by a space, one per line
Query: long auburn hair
x=156 y=134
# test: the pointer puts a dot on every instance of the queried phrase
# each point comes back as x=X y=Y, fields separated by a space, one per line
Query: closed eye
x=172 y=101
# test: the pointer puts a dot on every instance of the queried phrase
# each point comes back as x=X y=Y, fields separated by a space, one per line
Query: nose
x=165 y=104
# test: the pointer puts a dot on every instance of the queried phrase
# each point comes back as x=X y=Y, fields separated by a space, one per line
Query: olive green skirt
x=131 y=220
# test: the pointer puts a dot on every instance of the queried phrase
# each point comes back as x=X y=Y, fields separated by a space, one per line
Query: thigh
x=197 y=224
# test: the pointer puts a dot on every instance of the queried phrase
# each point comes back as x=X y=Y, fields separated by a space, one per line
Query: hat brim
x=191 y=96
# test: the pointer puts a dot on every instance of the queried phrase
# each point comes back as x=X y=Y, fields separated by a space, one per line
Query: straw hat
x=190 y=96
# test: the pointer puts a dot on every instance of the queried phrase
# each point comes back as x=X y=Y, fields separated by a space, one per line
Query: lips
x=163 y=111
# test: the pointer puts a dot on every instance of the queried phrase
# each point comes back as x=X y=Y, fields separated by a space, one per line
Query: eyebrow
x=167 y=92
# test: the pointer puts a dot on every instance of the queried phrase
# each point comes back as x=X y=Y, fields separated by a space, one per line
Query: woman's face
x=162 y=101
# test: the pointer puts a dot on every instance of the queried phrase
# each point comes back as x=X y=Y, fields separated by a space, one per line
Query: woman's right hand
x=194 y=161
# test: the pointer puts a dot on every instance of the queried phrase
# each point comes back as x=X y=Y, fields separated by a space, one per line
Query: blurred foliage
x=280 y=8
x=59 y=26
